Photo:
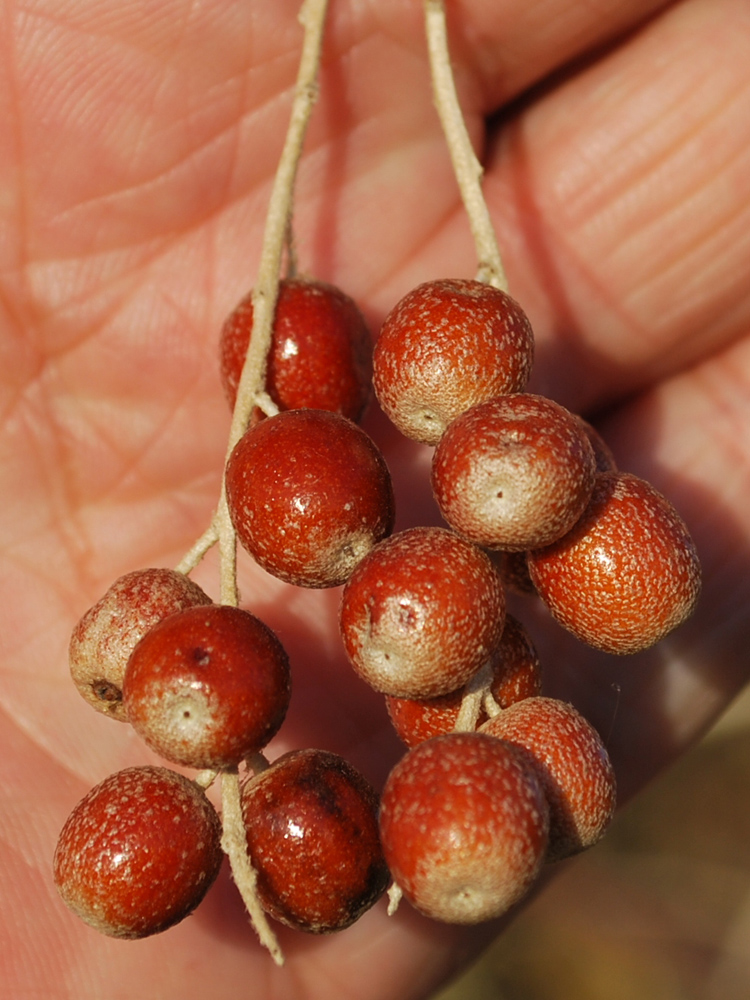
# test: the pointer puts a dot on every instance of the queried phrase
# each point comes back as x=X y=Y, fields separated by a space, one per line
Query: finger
x=623 y=203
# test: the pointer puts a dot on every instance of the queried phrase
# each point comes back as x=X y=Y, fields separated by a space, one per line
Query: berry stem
x=276 y=234
x=234 y=845
x=489 y=704
x=395 y=895
x=466 y=166
x=471 y=703
x=200 y=547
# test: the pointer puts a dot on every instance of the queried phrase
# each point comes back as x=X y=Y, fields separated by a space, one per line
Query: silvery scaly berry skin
x=106 y=635
x=572 y=765
x=208 y=686
x=627 y=574
x=309 y=495
x=138 y=853
x=514 y=472
x=447 y=345
x=516 y=674
x=464 y=826
x=320 y=355
x=312 y=836
x=422 y=613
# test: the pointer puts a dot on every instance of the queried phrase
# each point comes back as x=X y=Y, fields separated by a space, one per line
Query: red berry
x=514 y=472
x=208 y=686
x=138 y=853
x=422 y=613
x=605 y=460
x=312 y=837
x=309 y=494
x=320 y=355
x=516 y=674
x=104 y=638
x=463 y=823
x=627 y=574
x=444 y=347
x=572 y=765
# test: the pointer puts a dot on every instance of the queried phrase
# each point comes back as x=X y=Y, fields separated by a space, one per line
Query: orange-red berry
x=138 y=853
x=422 y=613
x=516 y=674
x=626 y=574
x=312 y=836
x=514 y=472
x=208 y=686
x=309 y=494
x=464 y=826
x=572 y=765
x=447 y=345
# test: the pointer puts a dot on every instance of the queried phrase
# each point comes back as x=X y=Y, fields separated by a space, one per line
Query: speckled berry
x=309 y=494
x=514 y=472
x=627 y=574
x=320 y=355
x=312 y=836
x=572 y=765
x=603 y=457
x=138 y=853
x=447 y=345
x=422 y=613
x=106 y=635
x=207 y=687
x=464 y=826
x=516 y=674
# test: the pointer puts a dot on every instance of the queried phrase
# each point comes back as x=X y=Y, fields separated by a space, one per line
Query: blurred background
x=658 y=910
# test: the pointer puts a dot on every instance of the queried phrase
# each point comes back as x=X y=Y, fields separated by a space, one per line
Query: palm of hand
x=136 y=180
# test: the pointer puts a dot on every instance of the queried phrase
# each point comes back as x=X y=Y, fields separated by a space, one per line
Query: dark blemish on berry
x=106 y=691
x=201 y=657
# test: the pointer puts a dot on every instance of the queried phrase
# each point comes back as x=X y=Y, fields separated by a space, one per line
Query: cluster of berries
x=497 y=778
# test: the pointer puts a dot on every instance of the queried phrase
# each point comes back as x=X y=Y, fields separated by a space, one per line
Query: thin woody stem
x=471 y=703
x=277 y=237
x=200 y=547
x=276 y=234
x=466 y=167
x=234 y=844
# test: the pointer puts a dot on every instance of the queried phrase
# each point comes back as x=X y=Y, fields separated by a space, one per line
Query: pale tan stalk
x=471 y=703
x=277 y=236
x=234 y=844
x=467 y=168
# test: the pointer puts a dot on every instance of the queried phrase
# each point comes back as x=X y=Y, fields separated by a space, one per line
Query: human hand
x=137 y=155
